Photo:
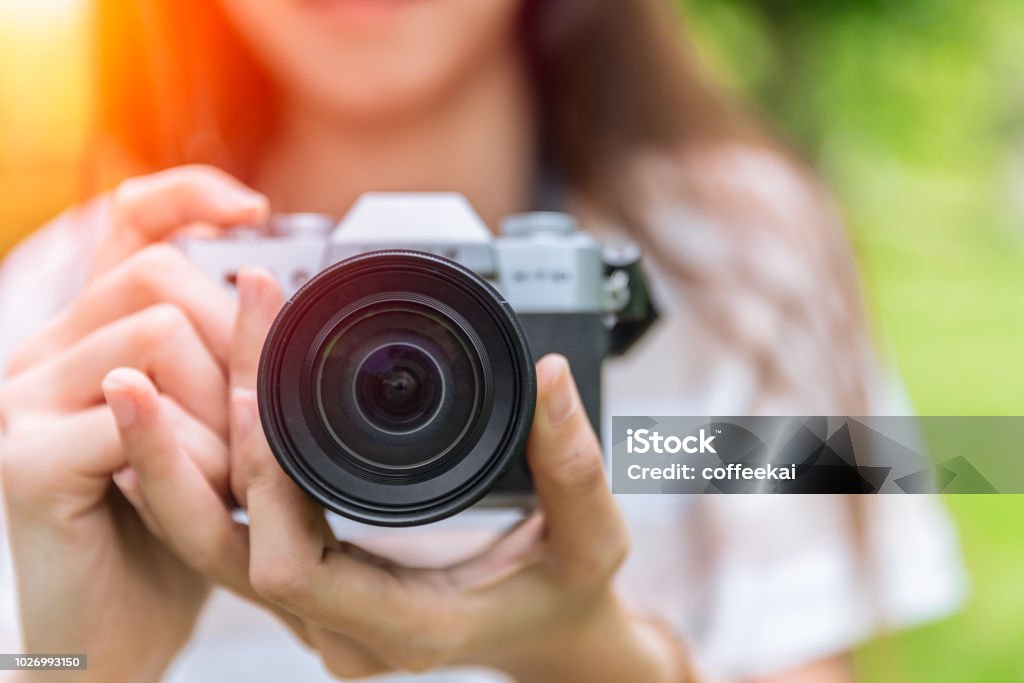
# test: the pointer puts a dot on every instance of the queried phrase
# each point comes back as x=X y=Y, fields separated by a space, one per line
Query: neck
x=478 y=140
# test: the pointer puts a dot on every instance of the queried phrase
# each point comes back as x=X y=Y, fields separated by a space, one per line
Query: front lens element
x=398 y=387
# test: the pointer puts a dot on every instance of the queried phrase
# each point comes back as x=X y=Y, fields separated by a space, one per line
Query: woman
x=584 y=105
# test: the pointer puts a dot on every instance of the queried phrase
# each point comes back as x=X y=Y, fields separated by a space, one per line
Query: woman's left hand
x=538 y=604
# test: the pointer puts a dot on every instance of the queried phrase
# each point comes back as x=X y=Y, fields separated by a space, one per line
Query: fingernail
x=126 y=479
x=121 y=403
x=562 y=399
x=243 y=405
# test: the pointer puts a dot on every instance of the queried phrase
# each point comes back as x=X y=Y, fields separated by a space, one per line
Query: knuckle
x=278 y=581
x=579 y=466
x=20 y=358
x=212 y=172
x=192 y=178
x=618 y=551
x=19 y=474
x=421 y=656
x=10 y=470
x=196 y=172
x=429 y=643
x=202 y=552
x=346 y=669
x=127 y=191
x=150 y=266
x=594 y=572
x=162 y=322
x=610 y=560
x=158 y=273
x=345 y=664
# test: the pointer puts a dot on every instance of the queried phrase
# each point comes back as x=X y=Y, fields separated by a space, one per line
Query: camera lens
x=398 y=383
x=396 y=388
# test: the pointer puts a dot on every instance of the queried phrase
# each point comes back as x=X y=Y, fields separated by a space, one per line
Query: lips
x=367 y=9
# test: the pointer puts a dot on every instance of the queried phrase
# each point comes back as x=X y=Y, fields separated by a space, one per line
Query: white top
x=757 y=584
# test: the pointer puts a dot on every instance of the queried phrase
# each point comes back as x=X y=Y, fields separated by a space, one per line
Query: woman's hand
x=146 y=211
x=538 y=603
x=196 y=199
x=90 y=577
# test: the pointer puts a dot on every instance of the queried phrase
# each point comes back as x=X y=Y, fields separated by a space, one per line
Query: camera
x=396 y=386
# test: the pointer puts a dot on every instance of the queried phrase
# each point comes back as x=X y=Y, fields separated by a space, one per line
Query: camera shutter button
x=538 y=223
x=302 y=224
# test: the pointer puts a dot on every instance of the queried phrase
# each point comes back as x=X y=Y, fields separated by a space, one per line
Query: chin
x=376 y=95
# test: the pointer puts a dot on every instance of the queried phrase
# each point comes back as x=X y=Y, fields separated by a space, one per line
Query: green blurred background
x=914 y=112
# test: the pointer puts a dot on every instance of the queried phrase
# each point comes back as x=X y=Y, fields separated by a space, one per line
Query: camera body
x=448 y=307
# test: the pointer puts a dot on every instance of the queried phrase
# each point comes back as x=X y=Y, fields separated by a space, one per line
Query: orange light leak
x=43 y=110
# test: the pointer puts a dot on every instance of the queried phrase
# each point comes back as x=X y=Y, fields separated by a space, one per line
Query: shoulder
x=752 y=238
x=757 y=202
x=67 y=234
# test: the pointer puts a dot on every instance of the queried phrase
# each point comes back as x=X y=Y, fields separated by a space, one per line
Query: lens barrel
x=396 y=387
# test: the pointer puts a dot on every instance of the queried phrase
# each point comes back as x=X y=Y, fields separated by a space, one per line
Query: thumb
x=259 y=300
x=585 y=528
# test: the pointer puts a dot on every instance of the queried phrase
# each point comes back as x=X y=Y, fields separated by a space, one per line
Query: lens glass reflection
x=397 y=386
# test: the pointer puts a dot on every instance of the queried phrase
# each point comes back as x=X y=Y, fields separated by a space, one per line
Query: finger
x=259 y=300
x=159 y=340
x=284 y=525
x=129 y=395
x=412 y=619
x=127 y=482
x=514 y=550
x=285 y=528
x=82 y=451
x=157 y=274
x=177 y=492
x=585 y=529
x=149 y=208
x=180 y=501
x=344 y=657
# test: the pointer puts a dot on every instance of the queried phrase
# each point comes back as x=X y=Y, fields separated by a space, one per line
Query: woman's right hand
x=194 y=199
x=145 y=213
x=90 y=576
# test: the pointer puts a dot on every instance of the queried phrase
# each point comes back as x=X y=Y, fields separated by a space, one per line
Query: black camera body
x=397 y=385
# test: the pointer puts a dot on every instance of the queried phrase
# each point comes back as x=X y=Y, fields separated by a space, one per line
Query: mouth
x=359 y=10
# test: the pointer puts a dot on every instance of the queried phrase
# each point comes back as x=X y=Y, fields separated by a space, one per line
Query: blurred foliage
x=914 y=112
x=44 y=86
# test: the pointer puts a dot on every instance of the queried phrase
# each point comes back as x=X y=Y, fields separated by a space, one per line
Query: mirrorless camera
x=396 y=386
